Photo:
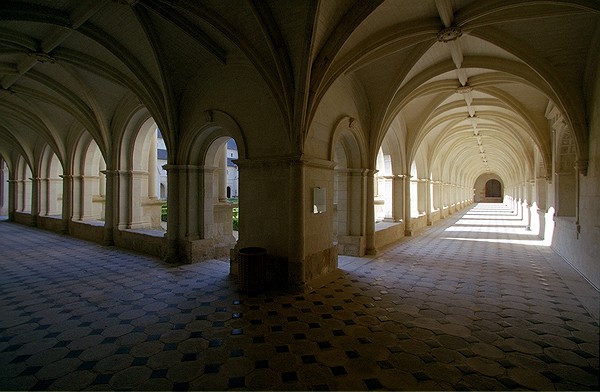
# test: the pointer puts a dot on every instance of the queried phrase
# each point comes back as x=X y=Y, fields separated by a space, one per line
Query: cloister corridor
x=474 y=302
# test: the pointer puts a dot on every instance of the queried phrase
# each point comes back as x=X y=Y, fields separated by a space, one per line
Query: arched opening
x=348 y=190
x=51 y=185
x=146 y=209
x=221 y=213
x=23 y=187
x=4 y=176
x=89 y=183
x=493 y=188
x=414 y=191
x=383 y=187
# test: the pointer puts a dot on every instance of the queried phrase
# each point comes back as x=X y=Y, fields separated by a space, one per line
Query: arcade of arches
x=394 y=114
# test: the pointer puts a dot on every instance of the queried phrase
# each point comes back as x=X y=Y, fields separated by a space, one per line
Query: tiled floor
x=471 y=304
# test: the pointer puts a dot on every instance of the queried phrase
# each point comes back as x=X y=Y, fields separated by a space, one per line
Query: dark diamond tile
x=201 y=317
x=102 y=379
x=509 y=383
x=583 y=354
x=212 y=368
x=237 y=302
x=139 y=361
x=338 y=371
x=506 y=363
x=215 y=343
x=308 y=359
x=575 y=339
x=352 y=354
x=314 y=325
x=258 y=339
x=236 y=352
x=261 y=364
x=289 y=376
x=30 y=371
x=236 y=315
x=427 y=359
x=20 y=358
x=218 y=324
x=323 y=345
x=272 y=313
x=299 y=336
x=195 y=335
x=74 y=353
x=545 y=358
x=189 y=357
x=237 y=382
x=256 y=322
x=384 y=365
x=87 y=365
x=123 y=350
x=52 y=335
x=373 y=383
x=320 y=387
x=421 y=376
x=338 y=332
x=364 y=340
x=65 y=343
x=237 y=331
x=276 y=328
x=551 y=376
x=282 y=349
x=292 y=318
x=326 y=316
x=109 y=340
x=349 y=322
x=170 y=346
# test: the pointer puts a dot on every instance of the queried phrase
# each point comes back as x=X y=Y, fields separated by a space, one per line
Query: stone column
x=67 y=202
x=111 y=203
x=407 y=207
x=175 y=251
x=398 y=197
x=36 y=183
x=12 y=199
x=370 y=217
x=222 y=172
x=152 y=169
x=428 y=200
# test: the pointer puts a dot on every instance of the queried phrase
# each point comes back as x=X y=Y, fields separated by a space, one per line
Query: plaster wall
x=583 y=251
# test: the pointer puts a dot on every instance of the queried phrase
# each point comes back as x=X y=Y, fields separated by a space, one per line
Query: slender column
x=370 y=218
x=152 y=169
x=222 y=183
x=12 y=199
x=111 y=206
x=35 y=200
x=67 y=202
x=428 y=198
x=175 y=252
x=398 y=197
x=407 y=207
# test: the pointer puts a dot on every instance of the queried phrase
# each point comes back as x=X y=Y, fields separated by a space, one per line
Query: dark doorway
x=493 y=188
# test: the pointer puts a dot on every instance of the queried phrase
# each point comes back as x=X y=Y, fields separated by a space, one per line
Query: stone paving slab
x=473 y=303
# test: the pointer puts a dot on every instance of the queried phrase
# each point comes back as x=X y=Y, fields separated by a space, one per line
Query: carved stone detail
x=449 y=34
